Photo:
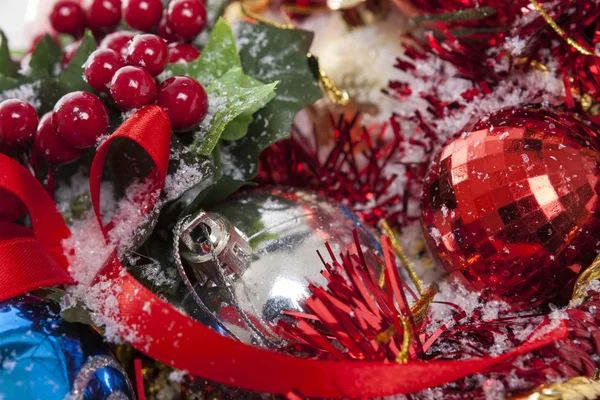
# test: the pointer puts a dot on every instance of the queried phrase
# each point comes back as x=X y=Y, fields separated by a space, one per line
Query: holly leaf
x=228 y=97
x=218 y=56
x=8 y=67
x=71 y=79
x=7 y=83
x=268 y=53
x=238 y=128
x=45 y=58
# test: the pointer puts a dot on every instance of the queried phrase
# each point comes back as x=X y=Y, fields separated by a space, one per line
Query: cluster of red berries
x=60 y=136
x=182 y=21
x=130 y=78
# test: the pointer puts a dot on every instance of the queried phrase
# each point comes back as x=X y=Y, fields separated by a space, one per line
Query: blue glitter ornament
x=44 y=357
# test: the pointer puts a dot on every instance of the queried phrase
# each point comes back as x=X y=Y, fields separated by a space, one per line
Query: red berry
x=80 y=118
x=102 y=14
x=186 y=18
x=68 y=17
x=164 y=31
x=184 y=100
x=69 y=53
x=182 y=53
x=18 y=122
x=11 y=207
x=149 y=52
x=100 y=68
x=118 y=41
x=50 y=146
x=142 y=14
x=132 y=87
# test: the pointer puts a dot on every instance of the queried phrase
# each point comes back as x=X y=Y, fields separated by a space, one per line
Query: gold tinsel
x=579 y=388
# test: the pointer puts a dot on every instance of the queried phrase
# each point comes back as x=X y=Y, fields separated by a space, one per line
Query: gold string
x=559 y=30
x=406 y=338
x=385 y=228
x=419 y=309
x=327 y=85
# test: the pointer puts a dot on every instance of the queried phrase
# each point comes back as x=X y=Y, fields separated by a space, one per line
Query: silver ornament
x=255 y=255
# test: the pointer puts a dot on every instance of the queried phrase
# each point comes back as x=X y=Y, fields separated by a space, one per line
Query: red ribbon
x=31 y=260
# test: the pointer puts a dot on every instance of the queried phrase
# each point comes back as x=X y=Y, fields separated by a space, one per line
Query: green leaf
x=8 y=67
x=228 y=97
x=218 y=56
x=268 y=54
x=71 y=79
x=7 y=83
x=45 y=58
x=238 y=128
x=215 y=193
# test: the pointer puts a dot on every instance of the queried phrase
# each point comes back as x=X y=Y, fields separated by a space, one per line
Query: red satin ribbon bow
x=34 y=259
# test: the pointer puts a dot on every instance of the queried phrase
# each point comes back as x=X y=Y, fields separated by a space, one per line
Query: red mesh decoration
x=513 y=201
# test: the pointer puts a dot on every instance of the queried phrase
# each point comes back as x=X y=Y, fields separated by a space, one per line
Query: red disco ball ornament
x=511 y=204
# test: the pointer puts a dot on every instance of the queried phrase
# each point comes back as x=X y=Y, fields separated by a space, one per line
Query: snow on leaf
x=228 y=97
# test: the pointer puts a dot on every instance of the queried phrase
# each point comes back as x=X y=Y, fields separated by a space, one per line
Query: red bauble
x=511 y=206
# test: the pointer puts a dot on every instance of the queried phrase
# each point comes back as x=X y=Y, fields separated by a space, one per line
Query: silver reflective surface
x=284 y=228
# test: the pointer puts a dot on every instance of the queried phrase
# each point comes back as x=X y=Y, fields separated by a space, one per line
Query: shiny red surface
x=511 y=204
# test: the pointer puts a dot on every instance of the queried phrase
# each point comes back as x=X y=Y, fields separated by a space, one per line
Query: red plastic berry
x=149 y=52
x=165 y=32
x=102 y=14
x=182 y=53
x=186 y=18
x=80 y=118
x=50 y=146
x=11 y=207
x=184 y=100
x=118 y=41
x=68 y=17
x=18 y=122
x=132 y=87
x=142 y=14
x=69 y=53
x=100 y=68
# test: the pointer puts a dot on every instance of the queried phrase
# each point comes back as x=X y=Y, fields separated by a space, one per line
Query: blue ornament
x=44 y=357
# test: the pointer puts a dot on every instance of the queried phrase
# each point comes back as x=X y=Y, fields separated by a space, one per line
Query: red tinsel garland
x=368 y=328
